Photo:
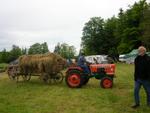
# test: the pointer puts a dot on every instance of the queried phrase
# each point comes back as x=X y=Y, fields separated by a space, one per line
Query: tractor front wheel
x=106 y=82
x=73 y=79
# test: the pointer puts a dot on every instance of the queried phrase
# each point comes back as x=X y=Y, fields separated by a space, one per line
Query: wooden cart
x=15 y=75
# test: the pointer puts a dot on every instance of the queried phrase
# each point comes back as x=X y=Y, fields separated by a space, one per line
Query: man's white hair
x=142 y=48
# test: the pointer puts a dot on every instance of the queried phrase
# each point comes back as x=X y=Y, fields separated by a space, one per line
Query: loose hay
x=49 y=63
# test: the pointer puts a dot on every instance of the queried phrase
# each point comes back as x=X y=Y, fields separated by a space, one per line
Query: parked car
x=122 y=58
x=97 y=59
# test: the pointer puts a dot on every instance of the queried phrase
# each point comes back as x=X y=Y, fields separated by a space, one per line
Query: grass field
x=36 y=97
x=3 y=65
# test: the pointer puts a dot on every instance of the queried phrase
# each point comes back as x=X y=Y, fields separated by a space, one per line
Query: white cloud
x=24 y=22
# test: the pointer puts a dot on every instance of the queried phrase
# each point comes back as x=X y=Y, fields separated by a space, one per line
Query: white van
x=100 y=59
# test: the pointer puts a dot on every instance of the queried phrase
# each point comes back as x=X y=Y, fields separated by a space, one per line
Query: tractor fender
x=74 y=68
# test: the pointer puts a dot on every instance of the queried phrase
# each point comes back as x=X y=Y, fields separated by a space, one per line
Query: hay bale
x=41 y=63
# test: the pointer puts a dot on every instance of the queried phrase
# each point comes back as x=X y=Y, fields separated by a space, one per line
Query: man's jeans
x=85 y=69
x=146 y=86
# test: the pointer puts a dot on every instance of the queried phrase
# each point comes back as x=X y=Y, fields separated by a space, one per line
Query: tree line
x=116 y=35
x=119 y=34
x=63 y=49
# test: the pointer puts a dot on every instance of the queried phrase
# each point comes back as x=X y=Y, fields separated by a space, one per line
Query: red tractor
x=76 y=78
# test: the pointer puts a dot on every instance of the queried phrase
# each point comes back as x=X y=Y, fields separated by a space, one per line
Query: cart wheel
x=106 y=82
x=58 y=77
x=12 y=75
x=73 y=79
x=47 y=79
x=26 y=77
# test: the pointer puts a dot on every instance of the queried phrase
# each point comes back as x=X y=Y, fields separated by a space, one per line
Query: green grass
x=3 y=65
x=36 y=97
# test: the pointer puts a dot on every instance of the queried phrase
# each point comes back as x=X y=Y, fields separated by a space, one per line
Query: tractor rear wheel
x=73 y=79
x=106 y=82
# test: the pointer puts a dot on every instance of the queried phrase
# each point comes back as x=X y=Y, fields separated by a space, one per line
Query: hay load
x=49 y=63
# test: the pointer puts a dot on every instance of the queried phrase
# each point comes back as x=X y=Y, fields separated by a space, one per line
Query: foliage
x=14 y=53
x=129 y=27
x=120 y=34
x=145 y=26
x=38 y=48
x=24 y=51
x=112 y=41
x=4 y=56
x=3 y=65
x=93 y=35
x=65 y=50
x=8 y=56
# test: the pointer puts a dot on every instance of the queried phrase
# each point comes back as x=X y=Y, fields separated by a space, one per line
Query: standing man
x=82 y=63
x=142 y=75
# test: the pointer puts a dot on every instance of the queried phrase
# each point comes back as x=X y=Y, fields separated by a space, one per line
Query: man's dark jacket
x=142 y=67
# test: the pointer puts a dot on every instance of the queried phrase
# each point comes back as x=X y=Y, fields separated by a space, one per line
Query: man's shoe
x=135 y=106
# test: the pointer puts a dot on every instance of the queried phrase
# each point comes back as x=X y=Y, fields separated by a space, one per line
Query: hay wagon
x=14 y=74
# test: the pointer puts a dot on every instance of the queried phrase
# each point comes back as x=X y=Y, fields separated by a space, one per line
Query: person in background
x=142 y=75
x=82 y=63
x=69 y=62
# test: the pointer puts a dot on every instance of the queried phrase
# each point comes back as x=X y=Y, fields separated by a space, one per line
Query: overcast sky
x=25 y=22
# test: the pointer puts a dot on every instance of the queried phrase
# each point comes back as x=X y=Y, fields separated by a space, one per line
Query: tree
x=0 y=57
x=8 y=56
x=118 y=35
x=65 y=50
x=93 y=39
x=38 y=48
x=44 y=47
x=98 y=36
x=24 y=51
x=35 y=49
x=4 y=56
x=145 y=26
x=57 y=49
x=110 y=27
x=128 y=27
x=15 y=52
